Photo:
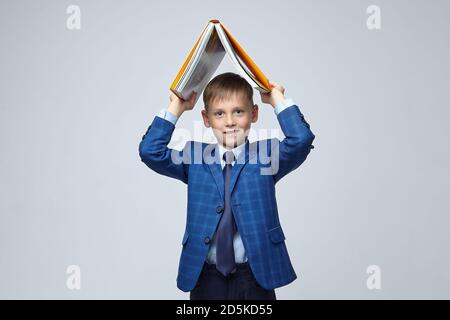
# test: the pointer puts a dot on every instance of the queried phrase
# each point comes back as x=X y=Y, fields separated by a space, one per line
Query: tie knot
x=228 y=157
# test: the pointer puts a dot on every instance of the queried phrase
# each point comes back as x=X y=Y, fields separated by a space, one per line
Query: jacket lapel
x=216 y=169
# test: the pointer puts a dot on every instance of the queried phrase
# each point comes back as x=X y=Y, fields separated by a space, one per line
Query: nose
x=229 y=121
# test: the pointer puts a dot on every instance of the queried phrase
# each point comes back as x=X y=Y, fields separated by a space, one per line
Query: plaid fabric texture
x=253 y=201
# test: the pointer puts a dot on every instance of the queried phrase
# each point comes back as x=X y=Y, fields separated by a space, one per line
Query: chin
x=234 y=142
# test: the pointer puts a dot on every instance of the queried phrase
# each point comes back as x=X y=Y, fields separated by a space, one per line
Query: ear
x=255 y=110
x=205 y=118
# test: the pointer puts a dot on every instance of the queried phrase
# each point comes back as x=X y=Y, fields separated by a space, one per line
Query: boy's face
x=230 y=120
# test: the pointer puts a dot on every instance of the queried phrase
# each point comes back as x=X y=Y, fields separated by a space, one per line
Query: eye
x=239 y=111
x=218 y=113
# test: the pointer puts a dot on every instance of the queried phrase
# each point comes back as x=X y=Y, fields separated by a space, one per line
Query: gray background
x=75 y=104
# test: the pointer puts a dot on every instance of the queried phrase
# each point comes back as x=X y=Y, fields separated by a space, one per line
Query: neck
x=231 y=148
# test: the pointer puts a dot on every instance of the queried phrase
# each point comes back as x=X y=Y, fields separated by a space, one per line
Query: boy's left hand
x=275 y=96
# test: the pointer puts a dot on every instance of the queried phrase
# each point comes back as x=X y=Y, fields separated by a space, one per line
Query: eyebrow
x=234 y=108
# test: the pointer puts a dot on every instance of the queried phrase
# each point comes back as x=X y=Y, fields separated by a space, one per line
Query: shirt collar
x=236 y=151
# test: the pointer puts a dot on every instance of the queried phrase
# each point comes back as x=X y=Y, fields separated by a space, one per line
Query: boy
x=233 y=245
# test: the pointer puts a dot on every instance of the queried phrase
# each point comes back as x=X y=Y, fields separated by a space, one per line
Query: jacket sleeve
x=292 y=151
x=157 y=156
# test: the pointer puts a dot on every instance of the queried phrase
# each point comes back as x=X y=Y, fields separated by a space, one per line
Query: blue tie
x=225 y=231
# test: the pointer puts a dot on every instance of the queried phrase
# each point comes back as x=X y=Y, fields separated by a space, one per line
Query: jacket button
x=219 y=209
x=207 y=240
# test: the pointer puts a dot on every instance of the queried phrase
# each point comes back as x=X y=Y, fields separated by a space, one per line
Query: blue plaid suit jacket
x=252 y=194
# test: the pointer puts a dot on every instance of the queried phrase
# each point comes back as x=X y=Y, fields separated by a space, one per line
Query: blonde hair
x=224 y=86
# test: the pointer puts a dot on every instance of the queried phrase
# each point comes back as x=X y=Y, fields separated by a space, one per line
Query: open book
x=205 y=57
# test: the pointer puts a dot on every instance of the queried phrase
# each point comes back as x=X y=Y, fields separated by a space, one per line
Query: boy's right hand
x=177 y=106
x=275 y=96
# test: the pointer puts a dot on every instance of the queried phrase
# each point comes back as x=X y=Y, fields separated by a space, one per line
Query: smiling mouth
x=231 y=132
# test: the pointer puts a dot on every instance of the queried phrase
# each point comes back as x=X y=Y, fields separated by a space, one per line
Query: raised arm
x=153 y=148
x=292 y=151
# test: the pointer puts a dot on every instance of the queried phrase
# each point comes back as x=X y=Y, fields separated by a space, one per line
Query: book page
x=245 y=59
x=196 y=55
x=188 y=60
x=237 y=62
x=203 y=67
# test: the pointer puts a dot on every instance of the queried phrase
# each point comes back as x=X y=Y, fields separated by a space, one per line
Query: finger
x=194 y=95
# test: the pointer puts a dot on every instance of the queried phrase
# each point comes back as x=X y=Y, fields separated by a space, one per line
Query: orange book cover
x=258 y=75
